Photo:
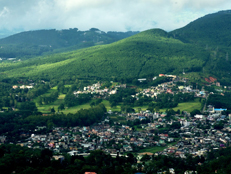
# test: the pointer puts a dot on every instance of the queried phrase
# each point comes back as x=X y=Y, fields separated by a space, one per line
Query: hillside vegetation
x=33 y=43
x=147 y=53
x=212 y=33
x=200 y=47
x=212 y=30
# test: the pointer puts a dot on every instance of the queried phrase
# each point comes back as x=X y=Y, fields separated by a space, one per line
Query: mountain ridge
x=136 y=56
x=38 y=42
x=211 y=29
x=147 y=53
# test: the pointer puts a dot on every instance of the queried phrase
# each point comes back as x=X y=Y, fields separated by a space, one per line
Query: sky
x=106 y=15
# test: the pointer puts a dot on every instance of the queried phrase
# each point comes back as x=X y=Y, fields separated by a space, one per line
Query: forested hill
x=201 y=46
x=212 y=30
x=33 y=43
x=147 y=53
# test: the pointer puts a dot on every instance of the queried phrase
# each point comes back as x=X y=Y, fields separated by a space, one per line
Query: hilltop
x=212 y=33
x=147 y=53
x=212 y=30
x=34 y=43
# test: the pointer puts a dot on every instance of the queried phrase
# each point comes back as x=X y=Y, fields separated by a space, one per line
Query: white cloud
x=116 y=15
x=4 y=12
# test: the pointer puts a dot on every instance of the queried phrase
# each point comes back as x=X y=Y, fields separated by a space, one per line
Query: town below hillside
x=165 y=115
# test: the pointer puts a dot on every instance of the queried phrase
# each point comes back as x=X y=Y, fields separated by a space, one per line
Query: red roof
x=210 y=79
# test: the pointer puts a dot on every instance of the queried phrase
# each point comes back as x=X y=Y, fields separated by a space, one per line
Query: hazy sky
x=107 y=15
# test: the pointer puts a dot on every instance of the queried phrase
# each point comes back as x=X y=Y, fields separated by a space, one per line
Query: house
x=59 y=157
x=140 y=155
x=161 y=75
x=73 y=153
x=199 y=116
x=218 y=110
x=218 y=84
x=155 y=115
x=2 y=139
x=163 y=114
x=141 y=80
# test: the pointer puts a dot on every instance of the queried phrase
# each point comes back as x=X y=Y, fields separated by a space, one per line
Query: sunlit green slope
x=147 y=53
x=212 y=30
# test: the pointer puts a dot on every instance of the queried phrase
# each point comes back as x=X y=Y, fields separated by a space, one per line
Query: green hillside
x=33 y=43
x=201 y=46
x=210 y=30
x=147 y=53
x=212 y=33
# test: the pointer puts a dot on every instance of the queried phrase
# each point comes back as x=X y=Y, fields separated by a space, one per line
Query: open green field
x=118 y=119
x=143 y=108
x=118 y=107
x=76 y=108
x=107 y=105
x=157 y=148
x=187 y=106
x=47 y=108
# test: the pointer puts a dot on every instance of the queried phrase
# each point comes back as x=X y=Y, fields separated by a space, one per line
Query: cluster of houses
x=23 y=87
x=96 y=89
x=110 y=139
x=195 y=136
x=167 y=88
x=152 y=92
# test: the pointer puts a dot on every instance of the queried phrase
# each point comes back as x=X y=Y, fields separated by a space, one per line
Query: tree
x=194 y=112
x=113 y=104
x=92 y=104
x=61 y=107
x=98 y=101
x=157 y=108
x=40 y=100
x=131 y=159
x=219 y=125
x=30 y=106
x=176 y=125
x=145 y=158
x=53 y=110
x=50 y=124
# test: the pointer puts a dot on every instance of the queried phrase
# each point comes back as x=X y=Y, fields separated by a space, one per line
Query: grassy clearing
x=47 y=108
x=107 y=105
x=67 y=86
x=118 y=119
x=118 y=107
x=55 y=87
x=138 y=129
x=76 y=108
x=187 y=106
x=143 y=108
x=157 y=148
x=61 y=96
